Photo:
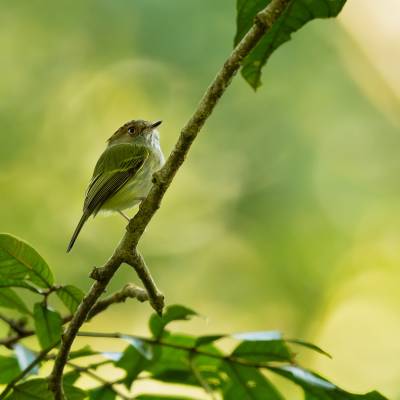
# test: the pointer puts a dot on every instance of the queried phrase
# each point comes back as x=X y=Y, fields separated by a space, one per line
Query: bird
x=123 y=174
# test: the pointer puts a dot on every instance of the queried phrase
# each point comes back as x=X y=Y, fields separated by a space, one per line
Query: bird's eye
x=131 y=130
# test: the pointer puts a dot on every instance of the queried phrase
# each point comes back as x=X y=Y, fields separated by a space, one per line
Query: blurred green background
x=286 y=213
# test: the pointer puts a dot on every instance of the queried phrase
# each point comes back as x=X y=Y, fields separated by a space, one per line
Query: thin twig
x=128 y=291
x=190 y=349
x=88 y=371
x=161 y=181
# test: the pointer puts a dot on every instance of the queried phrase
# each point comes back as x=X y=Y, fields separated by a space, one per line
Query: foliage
x=298 y=13
x=163 y=356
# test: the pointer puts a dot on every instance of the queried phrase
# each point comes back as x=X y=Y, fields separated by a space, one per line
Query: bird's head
x=135 y=131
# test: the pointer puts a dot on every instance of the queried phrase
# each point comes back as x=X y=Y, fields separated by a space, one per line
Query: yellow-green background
x=285 y=215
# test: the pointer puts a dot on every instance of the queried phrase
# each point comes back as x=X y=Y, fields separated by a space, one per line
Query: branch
x=128 y=291
x=126 y=250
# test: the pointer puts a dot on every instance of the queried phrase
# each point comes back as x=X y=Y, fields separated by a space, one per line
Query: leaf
x=83 y=352
x=48 y=325
x=309 y=345
x=9 y=369
x=172 y=313
x=102 y=393
x=31 y=390
x=17 y=283
x=263 y=351
x=133 y=363
x=20 y=261
x=73 y=393
x=204 y=340
x=142 y=347
x=318 y=388
x=248 y=383
x=25 y=357
x=170 y=358
x=71 y=377
x=71 y=296
x=10 y=299
x=297 y=14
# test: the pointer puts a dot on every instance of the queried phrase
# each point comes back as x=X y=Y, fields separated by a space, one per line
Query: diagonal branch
x=162 y=179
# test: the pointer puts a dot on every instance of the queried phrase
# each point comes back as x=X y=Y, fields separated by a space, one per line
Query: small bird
x=122 y=176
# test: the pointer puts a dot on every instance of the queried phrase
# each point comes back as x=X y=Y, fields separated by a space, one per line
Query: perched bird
x=122 y=176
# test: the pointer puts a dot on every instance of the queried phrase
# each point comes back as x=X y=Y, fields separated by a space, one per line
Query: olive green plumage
x=122 y=175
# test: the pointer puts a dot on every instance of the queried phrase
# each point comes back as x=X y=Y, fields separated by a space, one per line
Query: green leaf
x=71 y=296
x=17 y=283
x=73 y=393
x=142 y=347
x=204 y=340
x=10 y=299
x=83 y=352
x=102 y=393
x=317 y=387
x=48 y=325
x=298 y=13
x=169 y=358
x=263 y=351
x=248 y=383
x=71 y=377
x=309 y=346
x=25 y=357
x=31 y=390
x=133 y=363
x=172 y=313
x=9 y=369
x=19 y=261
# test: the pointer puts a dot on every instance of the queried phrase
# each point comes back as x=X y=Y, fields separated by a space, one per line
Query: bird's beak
x=155 y=124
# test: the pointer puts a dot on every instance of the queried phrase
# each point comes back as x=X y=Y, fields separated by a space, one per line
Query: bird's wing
x=115 y=167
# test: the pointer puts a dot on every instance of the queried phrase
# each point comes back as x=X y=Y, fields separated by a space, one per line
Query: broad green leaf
x=25 y=357
x=19 y=261
x=142 y=347
x=263 y=351
x=172 y=313
x=71 y=296
x=102 y=393
x=248 y=383
x=9 y=369
x=10 y=299
x=133 y=363
x=298 y=13
x=48 y=325
x=17 y=283
x=31 y=390
x=318 y=388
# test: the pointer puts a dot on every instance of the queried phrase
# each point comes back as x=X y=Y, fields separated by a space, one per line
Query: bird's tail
x=81 y=222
